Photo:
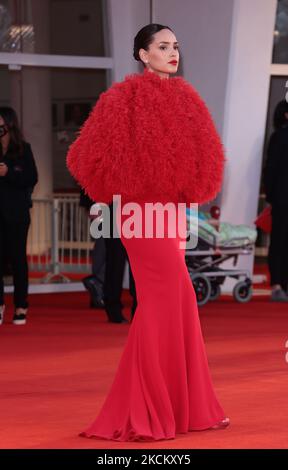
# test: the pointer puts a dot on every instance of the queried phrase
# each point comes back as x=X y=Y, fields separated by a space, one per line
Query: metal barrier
x=59 y=238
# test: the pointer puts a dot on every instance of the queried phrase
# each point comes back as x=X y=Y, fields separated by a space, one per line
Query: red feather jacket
x=149 y=139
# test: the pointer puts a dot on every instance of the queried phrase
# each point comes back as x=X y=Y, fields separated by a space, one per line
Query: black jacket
x=17 y=185
x=276 y=169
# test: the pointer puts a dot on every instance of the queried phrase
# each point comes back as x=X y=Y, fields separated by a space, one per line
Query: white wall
x=203 y=29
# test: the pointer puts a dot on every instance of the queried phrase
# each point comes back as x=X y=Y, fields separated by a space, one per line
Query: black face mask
x=3 y=130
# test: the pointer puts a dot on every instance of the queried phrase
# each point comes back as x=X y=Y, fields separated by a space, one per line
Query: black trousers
x=13 y=240
x=278 y=249
x=98 y=260
x=116 y=257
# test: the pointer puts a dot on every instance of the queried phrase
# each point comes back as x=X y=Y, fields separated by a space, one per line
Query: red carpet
x=56 y=370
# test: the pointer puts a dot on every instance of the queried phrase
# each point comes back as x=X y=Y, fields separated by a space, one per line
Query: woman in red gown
x=150 y=139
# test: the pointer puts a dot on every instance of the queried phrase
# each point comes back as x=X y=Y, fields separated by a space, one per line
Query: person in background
x=18 y=176
x=108 y=263
x=276 y=189
x=116 y=257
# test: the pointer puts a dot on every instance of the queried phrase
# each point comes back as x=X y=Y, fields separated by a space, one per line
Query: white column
x=36 y=101
x=203 y=29
x=37 y=125
x=246 y=107
x=245 y=114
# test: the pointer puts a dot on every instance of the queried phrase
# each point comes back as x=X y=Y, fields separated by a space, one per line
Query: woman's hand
x=215 y=223
x=3 y=169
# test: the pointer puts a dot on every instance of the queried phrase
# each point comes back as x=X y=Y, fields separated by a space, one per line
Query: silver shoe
x=224 y=423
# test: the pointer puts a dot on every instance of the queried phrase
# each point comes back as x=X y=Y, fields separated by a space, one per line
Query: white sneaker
x=20 y=318
x=2 y=310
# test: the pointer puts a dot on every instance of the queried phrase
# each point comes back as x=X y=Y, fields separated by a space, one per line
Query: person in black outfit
x=18 y=176
x=108 y=263
x=276 y=189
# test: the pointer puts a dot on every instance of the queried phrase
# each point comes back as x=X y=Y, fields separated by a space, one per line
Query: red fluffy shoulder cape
x=149 y=139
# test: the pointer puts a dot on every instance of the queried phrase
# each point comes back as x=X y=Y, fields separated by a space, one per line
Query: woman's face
x=162 y=56
x=3 y=128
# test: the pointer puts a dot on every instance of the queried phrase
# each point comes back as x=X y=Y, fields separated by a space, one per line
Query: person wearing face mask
x=18 y=176
x=276 y=189
x=151 y=140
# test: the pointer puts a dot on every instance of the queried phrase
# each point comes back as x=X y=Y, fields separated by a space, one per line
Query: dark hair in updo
x=144 y=37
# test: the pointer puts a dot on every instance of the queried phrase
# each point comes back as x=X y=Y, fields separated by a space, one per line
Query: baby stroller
x=216 y=243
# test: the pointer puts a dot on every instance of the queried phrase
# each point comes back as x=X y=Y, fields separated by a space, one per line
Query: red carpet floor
x=56 y=370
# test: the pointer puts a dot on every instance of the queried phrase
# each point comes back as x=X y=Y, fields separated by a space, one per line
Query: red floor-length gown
x=162 y=385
